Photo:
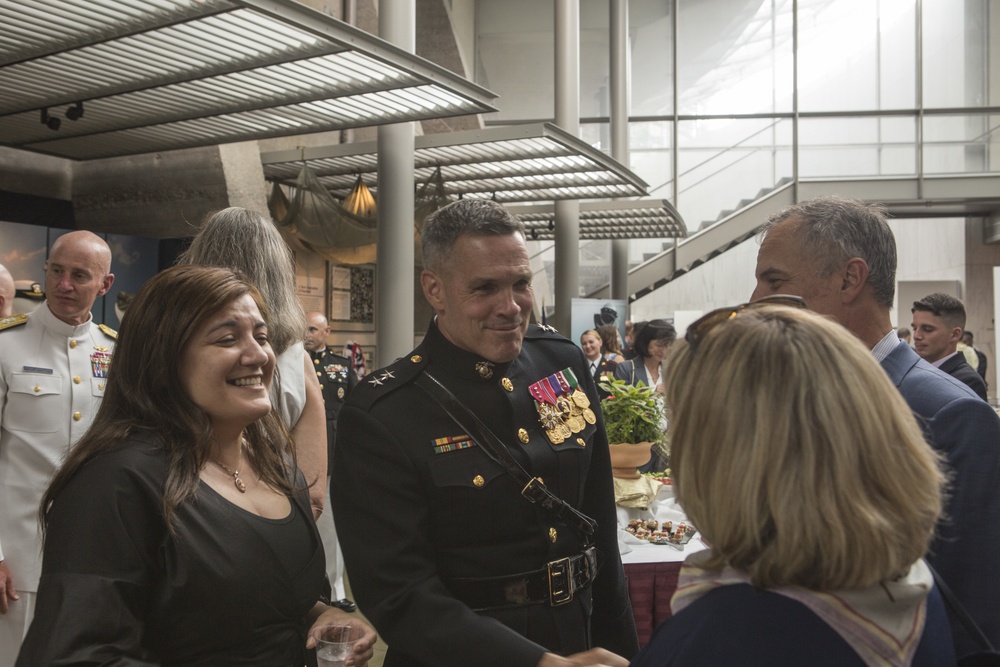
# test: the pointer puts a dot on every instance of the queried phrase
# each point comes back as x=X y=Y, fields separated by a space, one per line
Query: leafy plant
x=632 y=413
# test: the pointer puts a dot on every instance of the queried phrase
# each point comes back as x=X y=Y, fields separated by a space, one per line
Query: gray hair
x=242 y=240
x=473 y=217
x=835 y=229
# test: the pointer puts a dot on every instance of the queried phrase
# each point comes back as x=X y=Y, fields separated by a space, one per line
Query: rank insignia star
x=375 y=381
x=547 y=327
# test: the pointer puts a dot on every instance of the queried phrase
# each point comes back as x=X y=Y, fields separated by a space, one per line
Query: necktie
x=593 y=368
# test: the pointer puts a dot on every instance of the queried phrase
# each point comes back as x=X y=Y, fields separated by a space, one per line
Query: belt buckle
x=560 y=582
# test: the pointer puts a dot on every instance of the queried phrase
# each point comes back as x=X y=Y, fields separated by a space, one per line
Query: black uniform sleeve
x=381 y=514
x=98 y=564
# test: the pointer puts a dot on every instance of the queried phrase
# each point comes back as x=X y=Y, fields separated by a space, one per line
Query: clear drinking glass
x=335 y=643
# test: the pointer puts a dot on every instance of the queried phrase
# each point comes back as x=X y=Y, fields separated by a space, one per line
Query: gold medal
x=580 y=399
x=555 y=438
x=589 y=416
x=564 y=431
x=576 y=423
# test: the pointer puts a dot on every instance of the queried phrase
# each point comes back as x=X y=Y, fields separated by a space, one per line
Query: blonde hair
x=795 y=456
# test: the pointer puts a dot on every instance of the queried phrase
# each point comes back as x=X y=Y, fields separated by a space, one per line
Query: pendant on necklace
x=240 y=486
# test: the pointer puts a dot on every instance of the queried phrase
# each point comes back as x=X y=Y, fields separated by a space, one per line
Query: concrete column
x=567 y=232
x=620 y=99
x=394 y=283
x=977 y=293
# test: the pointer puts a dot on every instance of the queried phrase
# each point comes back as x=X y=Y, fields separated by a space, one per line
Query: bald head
x=77 y=272
x=317 y=329
x=6 y=292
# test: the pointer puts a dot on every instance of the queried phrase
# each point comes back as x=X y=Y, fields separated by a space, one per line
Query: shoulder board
x=384 y=381
x=544 y=331
x=12 y=321
x=108 y=331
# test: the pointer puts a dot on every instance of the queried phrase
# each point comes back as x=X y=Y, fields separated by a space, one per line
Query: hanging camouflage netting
x=317 y=222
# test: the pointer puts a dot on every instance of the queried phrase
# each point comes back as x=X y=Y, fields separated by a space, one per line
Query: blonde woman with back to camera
x=806 y=472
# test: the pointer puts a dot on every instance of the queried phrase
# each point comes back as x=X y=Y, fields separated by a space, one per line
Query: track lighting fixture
x=75 y=112
x=51 y=122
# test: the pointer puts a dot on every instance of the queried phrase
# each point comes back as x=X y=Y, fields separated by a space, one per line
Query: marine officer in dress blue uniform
x=336 y=377
x=447 y=558
x=53 y=368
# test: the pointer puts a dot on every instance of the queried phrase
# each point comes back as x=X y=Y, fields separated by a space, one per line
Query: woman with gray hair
x=242 y=240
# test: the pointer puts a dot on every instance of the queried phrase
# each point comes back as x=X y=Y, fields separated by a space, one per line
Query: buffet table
x=652 y=569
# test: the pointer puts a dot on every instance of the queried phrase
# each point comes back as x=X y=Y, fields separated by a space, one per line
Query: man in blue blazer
x=840 y=256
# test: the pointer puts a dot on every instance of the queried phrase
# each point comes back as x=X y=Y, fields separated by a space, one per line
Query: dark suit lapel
x=952 y=363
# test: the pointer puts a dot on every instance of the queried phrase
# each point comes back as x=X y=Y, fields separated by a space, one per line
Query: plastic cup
x=335 y=643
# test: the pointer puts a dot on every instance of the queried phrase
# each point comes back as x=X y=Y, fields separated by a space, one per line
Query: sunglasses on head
x=700 y=327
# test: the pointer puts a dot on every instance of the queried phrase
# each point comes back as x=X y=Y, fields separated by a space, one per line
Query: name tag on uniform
x=35 y=369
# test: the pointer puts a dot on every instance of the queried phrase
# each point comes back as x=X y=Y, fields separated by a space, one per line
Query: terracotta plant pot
x=626 y=457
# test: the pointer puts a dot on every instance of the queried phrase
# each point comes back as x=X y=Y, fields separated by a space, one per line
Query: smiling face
x=227 y=365
x=591 y=344
x=482 y=295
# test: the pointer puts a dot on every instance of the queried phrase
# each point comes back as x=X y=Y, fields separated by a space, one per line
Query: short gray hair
x=835 y=229
x=472 y=217
x=242 y=240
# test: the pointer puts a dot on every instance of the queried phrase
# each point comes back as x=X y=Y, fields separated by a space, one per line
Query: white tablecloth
x=663 y=508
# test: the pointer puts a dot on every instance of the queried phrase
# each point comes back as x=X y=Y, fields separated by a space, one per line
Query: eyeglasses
x=700 y=327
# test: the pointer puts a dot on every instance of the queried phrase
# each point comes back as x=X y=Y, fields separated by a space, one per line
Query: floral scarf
x=882 y=623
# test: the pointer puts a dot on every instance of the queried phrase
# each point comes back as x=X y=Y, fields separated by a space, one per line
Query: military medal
x=99 y=364
x=563 y=409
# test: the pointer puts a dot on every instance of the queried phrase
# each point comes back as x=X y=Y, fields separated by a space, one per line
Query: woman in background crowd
x=611 y=343
x=179 y=531
x=242 y=240
x=652 y=341
x=590 y=342
x=805 y=471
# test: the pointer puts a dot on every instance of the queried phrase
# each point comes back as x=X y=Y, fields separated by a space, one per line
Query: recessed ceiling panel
x=149 y=75
x=537 y=162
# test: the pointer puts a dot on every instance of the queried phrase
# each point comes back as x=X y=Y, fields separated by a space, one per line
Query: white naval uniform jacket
x=52 y=378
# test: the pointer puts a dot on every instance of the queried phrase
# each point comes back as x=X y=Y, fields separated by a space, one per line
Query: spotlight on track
x=75 y=112
x=51 y=122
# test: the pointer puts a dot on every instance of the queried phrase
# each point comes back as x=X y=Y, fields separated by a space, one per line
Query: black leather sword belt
x=555 y=584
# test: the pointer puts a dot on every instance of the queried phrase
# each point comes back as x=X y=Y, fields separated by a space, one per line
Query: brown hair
x=144 y=391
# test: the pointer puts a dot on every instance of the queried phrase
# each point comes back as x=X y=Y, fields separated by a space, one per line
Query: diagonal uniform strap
x=532 y=488
x=951 y=600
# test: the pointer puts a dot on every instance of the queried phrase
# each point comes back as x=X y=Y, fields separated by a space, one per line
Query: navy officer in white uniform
x=53 y=365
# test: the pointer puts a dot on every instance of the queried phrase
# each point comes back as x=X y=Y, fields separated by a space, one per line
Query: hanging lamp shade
x=359 y=200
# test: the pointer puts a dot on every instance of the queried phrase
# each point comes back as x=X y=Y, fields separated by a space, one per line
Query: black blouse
x=227 y=588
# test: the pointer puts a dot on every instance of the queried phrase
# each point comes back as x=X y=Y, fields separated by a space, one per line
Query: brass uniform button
x=76 y=379
x=581 y=442
x=478 y=481
x=507 y=384
x=73 y=344
x=553 y=535
x=76 y=416
x=316 y=361
x=416 y=358
x=523 y=436
x=37 y=389
x=319 y=374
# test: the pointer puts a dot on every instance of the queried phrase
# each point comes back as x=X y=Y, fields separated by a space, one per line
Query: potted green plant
x=633 y=418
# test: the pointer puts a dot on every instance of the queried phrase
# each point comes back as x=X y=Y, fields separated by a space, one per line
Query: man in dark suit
x=452 y=564
x=981 y=363
x=938 y=321
x=840 y=256
x=337 y=378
